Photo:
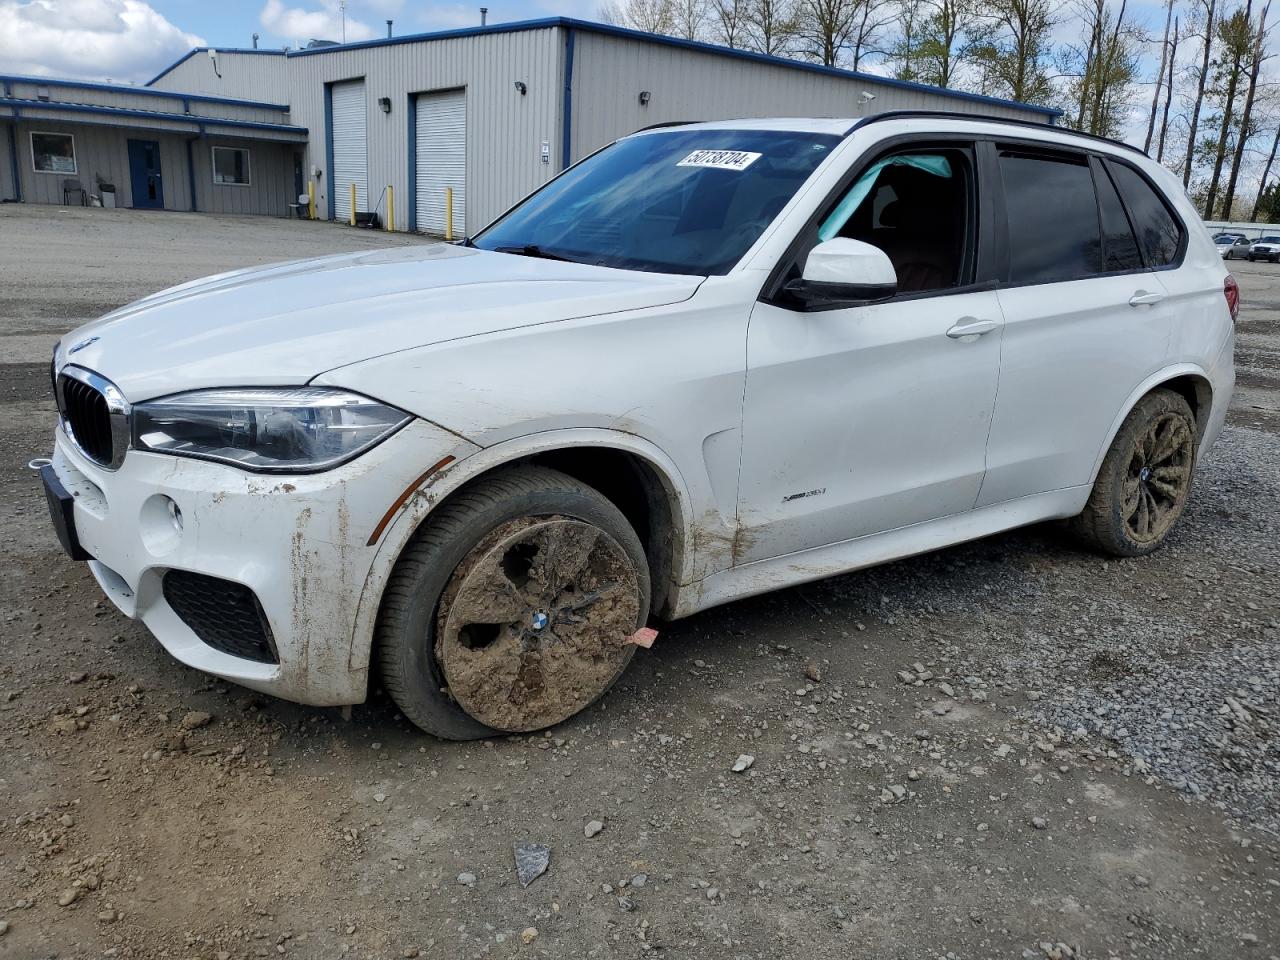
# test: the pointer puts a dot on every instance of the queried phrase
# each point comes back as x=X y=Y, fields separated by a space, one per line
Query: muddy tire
x=508 y=610
x=1145 y=479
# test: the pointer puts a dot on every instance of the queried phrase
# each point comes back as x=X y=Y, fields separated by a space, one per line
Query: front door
x=144 y=175
x=867 y=418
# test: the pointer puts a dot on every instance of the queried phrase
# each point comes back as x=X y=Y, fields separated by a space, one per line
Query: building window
x=53 y=153
x=231 y=166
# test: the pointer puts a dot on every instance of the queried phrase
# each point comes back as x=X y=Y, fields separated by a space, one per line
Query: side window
x=1159 y=233
x=1053 y=217
x=917 y=206
x=1119 y=246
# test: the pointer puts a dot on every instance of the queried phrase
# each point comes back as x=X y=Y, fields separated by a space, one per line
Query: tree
x=1155 y=96
x=1202 y=80
x=942 y=51
x=1262 y=184
x=1107 y=67
x=770 y=26
x=1236 y=35
x=651 y=16
x=904 y=54
x=729 y=21
x=1164 y=122
x=1013 y=47
x=868 y=23
x=688 y=18
x=1246 y=118
x=825 y=27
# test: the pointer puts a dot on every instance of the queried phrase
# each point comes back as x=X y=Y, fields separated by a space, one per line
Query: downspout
x=328 y=144
x=566 y=107
x=412 y=113
x=13 y=145
x=191 y=174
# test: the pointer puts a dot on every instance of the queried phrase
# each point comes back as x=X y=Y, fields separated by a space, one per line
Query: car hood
x=287 y=323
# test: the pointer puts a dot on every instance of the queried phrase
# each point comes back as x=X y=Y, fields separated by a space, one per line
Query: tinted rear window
x=1119 y=247
x=1159 y=234
x=1053 y=218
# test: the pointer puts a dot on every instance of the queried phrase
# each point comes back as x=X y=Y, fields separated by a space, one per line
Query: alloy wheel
x=1158 y=478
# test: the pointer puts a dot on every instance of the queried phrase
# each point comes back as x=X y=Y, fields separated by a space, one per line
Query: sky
x=132 y=40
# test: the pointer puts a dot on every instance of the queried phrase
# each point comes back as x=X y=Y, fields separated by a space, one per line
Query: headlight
x=292 y=430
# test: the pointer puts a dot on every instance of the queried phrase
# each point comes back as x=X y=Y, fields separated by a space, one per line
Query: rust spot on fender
x=404 y=497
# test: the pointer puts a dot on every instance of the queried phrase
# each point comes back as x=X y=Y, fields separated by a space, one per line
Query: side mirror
x=845 y=271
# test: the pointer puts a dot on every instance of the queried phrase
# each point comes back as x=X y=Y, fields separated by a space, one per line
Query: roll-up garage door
x=442 y=160
x=350 y=147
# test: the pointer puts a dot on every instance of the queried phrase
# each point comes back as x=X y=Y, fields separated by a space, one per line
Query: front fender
x=435 y=488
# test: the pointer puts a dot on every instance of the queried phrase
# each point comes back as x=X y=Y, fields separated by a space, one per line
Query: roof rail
x=985 y=118
x=666 y=123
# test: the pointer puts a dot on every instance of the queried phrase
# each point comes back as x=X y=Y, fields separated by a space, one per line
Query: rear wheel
x=510 y=609
x=1145 y=479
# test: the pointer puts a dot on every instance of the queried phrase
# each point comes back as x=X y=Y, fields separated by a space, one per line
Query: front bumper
x=299 y=542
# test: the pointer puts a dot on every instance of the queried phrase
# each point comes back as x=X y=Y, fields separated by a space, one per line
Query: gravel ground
x=1008 y=749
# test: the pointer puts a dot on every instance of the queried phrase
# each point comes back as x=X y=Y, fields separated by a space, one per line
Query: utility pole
x=342 y=8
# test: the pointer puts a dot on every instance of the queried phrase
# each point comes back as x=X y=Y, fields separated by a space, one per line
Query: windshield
x=687 y=201
x=1269 y=240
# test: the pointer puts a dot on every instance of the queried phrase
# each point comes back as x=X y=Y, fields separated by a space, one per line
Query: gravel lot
x=1008 y=749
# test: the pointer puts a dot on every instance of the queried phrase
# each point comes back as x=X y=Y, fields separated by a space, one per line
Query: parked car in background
x=1233 y=246
x=708 y=361
x=1267 y=248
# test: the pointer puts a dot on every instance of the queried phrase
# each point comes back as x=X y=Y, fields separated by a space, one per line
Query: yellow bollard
x=353 y=204
x=311 y=199
x=448 y=213
x=391 y=208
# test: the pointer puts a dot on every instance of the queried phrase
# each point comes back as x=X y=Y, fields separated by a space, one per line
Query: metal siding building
x=109 y=127
x=493 y=112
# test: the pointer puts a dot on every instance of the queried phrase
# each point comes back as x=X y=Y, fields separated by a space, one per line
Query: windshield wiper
x=533 y=250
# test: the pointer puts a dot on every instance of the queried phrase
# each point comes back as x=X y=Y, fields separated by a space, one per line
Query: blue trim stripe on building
x=328 y=145
x=566 y=107
x=150 y=115
x=413 y=162
x=141 y=91
x=571 y=23
x=187 y=56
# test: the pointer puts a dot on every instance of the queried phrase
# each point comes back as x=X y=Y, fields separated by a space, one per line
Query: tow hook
x=39 y=463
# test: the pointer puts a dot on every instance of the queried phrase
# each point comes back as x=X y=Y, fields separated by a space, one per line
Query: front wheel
x=1142 y=487
x=511 y=608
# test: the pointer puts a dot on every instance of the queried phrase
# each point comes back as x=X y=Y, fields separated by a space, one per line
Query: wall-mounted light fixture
x=384 y=104
x=522 y=87
x=644 y=98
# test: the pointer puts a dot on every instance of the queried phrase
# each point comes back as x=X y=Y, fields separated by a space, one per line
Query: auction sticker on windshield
x=720 y=159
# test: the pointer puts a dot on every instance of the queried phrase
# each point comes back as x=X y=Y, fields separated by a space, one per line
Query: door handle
x=1143 y=298
x=971 y=327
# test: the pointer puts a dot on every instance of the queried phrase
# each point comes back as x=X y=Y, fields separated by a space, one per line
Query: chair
x=70 y=187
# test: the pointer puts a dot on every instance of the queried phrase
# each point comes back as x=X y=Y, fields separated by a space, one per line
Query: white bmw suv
x=708 y=361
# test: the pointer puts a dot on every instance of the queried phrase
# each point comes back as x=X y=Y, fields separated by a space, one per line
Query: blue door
x=144 y=174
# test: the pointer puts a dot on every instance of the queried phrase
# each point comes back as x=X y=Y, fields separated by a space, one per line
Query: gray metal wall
x=103 y=151
x=609 y=72
x=146 y=99
x=249 y=76
x=270 y=189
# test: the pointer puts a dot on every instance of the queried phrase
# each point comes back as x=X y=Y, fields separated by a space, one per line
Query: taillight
x=1231 y=290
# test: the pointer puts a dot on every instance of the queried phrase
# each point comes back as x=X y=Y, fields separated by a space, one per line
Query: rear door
x=1086 y=321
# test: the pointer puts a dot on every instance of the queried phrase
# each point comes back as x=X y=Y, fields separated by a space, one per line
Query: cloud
x=123 y=40
x=322 y=22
